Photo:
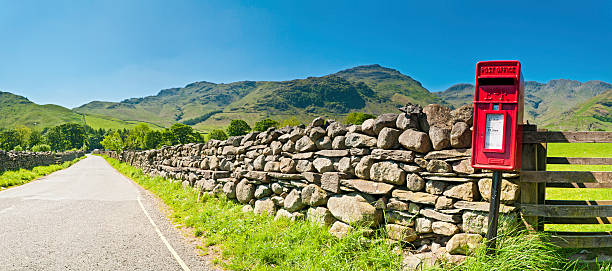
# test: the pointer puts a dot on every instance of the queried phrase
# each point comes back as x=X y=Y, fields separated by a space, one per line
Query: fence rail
x=536 y=211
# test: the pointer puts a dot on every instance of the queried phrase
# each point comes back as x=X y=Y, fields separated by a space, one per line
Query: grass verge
x=22 y=176
x=253 y=242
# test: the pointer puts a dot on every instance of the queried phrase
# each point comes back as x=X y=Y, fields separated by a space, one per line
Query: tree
x=113 y=142
x=357 y=118
x=153 y=139
x=9 y=140
x=136 y=137
x=36 y=138
x=238 y=128
x=264 y=124
x=66 y=136
x=217 y=134
x=24 y=134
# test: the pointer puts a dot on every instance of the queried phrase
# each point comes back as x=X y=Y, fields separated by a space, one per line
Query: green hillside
x=17 y=111
x=205 y=105
x=594 y=114
x=544 y=103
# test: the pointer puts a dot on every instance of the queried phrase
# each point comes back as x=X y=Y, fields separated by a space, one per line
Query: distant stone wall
x=16 y=160
x=408 y=172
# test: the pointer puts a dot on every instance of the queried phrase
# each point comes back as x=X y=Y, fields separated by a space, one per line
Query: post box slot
x=495 y=81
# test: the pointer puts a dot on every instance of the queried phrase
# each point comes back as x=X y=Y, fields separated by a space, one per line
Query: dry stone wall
x=409 y=173
x=16 y=160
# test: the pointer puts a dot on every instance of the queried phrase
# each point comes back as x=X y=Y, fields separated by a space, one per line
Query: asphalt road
x=89 y=217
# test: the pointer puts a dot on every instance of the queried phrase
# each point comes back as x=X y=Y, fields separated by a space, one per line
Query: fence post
x=533 y=158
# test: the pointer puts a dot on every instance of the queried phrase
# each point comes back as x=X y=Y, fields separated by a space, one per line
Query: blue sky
x=73 y=52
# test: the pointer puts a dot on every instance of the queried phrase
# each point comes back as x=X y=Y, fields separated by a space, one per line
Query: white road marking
x=176 y=256
x=7 y=209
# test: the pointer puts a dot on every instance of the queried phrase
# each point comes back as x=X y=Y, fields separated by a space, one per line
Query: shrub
x=18 y=148
x=264 y=124
x=41 y=148
x=357 y=118
x=238 y=128
x=217 y=134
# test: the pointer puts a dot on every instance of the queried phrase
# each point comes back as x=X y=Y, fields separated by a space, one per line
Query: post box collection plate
x=498 y=115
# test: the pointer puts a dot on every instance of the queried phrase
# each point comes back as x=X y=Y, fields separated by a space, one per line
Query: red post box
x=498 y=115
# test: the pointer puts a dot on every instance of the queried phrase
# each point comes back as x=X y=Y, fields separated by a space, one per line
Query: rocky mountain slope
x=205 y=105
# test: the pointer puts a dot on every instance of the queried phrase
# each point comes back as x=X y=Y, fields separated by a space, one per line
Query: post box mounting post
x=493 y=212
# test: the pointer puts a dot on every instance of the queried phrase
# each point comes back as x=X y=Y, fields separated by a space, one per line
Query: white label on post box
x=494 y=137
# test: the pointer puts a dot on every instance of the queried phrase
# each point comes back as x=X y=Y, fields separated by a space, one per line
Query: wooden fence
x=536 y=211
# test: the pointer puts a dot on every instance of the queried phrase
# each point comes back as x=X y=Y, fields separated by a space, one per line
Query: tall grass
x=244 y=241
x=22 y=176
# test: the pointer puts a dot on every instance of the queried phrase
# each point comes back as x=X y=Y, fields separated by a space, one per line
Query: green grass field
x=579 y=150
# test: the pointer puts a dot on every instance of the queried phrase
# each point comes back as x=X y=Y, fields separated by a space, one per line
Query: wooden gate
x=536 y=211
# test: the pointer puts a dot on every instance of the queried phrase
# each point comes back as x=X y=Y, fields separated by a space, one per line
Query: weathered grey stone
x=323 y=165
x=305 y=144
x=244 y=191
x=396 y=205
x=396 y=155
x=276 y=188
x=444 y=228
x=338 y=143
x=405 y=121
x=388 y=138
x=362 y=170
x=444 y=203
x=448 y=154
x=353 y=208
x=276 y=147
x=509 y=191
x=355 y=140
x=431 y=213
x=303 y=156
x=316 y=133
x=423 y=225
x=312 y=177
x=367 y=127
x=330 y=181
x=259 y=163
x=333 y=153
x=415 y=182
x=320 y=216
x=464 y=113
x=313 y=195
x=346 y=166
x=463 y=243
x=209 y=184
x=440 y=137
x=411 y=168
x=400 y=233
x=339 y=229
x=415 y=141
x=336 y=129
x=438 y=166
x=463 y=167
x=368 y=187
x=287 y=165
x=318 y=122
x=324 y=143
x=264 y=207
x=475 y=222
x=435 y=187
x=359 y=151
x=437 y=115
x=229 y=189
x=289 y=146
x=461 y=135
x=278 y=201
x=384 y=121
x=418 y=197
x=293 y=201
x=304 y=166
x=262 y=191
x=282 y=214
x=272 y=167
x=482 y=206
x=388 y=172
x=466 y=191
